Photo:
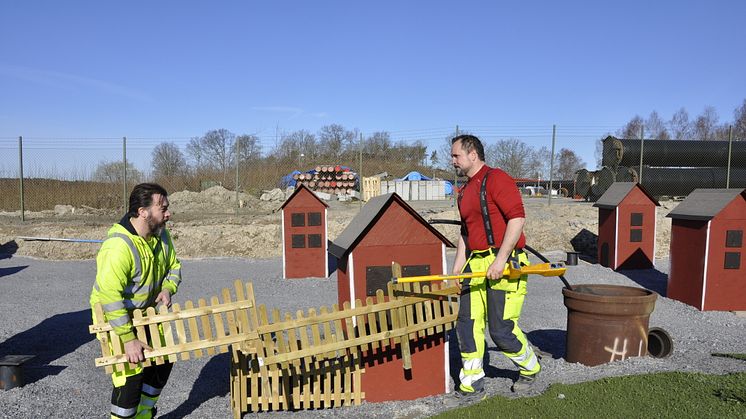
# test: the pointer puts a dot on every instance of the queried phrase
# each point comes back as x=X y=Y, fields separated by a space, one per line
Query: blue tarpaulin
x=415 y=176
x=288 y=180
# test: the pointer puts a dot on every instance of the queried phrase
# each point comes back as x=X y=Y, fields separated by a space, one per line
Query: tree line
x=705 y=127
x=218 y=151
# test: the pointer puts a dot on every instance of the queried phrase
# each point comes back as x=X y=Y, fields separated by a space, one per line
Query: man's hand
x=458 y=282
x=134 y=351
x=496 y=269
x=164 y=297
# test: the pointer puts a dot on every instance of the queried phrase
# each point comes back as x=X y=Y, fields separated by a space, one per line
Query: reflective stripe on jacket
x=131 y=272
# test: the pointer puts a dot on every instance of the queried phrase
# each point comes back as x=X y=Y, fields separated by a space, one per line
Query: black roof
x=616 y=194
x=367 y=217
x=704 y=204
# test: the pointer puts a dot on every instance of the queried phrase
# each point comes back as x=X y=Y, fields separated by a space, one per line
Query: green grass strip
x=661 y=395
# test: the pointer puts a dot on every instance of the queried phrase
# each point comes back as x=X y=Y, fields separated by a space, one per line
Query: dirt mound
x=214 y=200
x=205 y=225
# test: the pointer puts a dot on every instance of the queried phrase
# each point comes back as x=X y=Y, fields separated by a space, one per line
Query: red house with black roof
x=708 y=257
x=304 y=235
x=387 y=229
x=626 y=227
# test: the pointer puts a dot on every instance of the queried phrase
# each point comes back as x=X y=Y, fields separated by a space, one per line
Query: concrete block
x=405 y=189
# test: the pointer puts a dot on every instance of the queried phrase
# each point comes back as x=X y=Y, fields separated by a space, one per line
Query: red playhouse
x=707 y=262
x=387 y=229
x=626 y=227
x=304 y=244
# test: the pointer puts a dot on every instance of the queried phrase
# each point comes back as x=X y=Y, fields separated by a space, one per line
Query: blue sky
x=93 y=70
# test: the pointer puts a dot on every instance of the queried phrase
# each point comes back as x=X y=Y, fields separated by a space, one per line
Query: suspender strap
x=485 y=211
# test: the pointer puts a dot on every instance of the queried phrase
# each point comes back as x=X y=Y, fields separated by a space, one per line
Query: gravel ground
x=44 y=312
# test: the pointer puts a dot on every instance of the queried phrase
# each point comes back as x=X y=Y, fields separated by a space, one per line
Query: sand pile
x=205 y=225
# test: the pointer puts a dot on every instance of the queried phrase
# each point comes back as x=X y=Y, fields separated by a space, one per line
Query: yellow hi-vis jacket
x=131 y=272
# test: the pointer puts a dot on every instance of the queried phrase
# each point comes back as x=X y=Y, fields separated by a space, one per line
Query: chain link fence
x=36 y=174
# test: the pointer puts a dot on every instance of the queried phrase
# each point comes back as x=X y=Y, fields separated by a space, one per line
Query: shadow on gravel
x=212 y=382
x=11 y=270
x=48 y=341
x=586 y=243
x=7 y=250
x=651 y=279
x=553 y=341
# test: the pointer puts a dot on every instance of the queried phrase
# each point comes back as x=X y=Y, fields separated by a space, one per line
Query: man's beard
x=155 y=228
x=459 y=171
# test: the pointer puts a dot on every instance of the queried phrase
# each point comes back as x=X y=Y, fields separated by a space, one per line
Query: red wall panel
x=726 y=288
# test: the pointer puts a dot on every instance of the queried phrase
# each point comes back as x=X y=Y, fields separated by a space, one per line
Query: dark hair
x=470 y=143
x=142 y=196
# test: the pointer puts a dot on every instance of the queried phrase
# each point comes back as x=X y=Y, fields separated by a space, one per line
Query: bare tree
x=293 y=145
x=378 y=144
x=334 y=140
x=307 y=143
x=511 y=155
x=739 y=122
x=655 y=127
x=213 y=150
x=721 y=133
x=249 y=148
x=569 y=163
x=680 y=127
x=168 y=160
x=541 y=163
x=599 y=151
x=413 y=153
x=705 y=124
x=434 y=158
x=113 y=172
x=632 y=128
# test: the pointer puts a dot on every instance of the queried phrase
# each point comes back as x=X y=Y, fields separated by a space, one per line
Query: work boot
x=461 y=397
x=523 y=383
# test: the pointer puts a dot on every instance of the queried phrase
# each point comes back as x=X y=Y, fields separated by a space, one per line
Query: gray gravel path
x=44 y=311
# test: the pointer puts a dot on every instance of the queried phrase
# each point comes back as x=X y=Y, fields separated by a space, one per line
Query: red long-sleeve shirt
x=503 y=202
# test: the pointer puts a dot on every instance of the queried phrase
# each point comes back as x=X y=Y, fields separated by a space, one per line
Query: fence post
x=455 y=179
x=642 y=145
x=360 y=171
x=730 y=150
x=124 y=172
x=238 y=155
x=20 y=175
x=551 y=164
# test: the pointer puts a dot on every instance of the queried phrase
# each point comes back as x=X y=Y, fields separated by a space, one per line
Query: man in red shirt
x=486 y=243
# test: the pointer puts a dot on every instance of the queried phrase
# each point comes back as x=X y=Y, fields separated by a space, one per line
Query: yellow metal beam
x=513 y=270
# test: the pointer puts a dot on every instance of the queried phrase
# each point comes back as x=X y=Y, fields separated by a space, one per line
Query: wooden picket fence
x=309 y=361
x=315 y=359
x=192 y=329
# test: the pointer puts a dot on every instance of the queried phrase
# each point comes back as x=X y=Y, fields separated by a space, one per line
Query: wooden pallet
x=371 y=187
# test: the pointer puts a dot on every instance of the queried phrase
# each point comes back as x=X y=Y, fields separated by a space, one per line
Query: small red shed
x=707 y=250
x=387 y=229
x=626 y=227
x=304 y=231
